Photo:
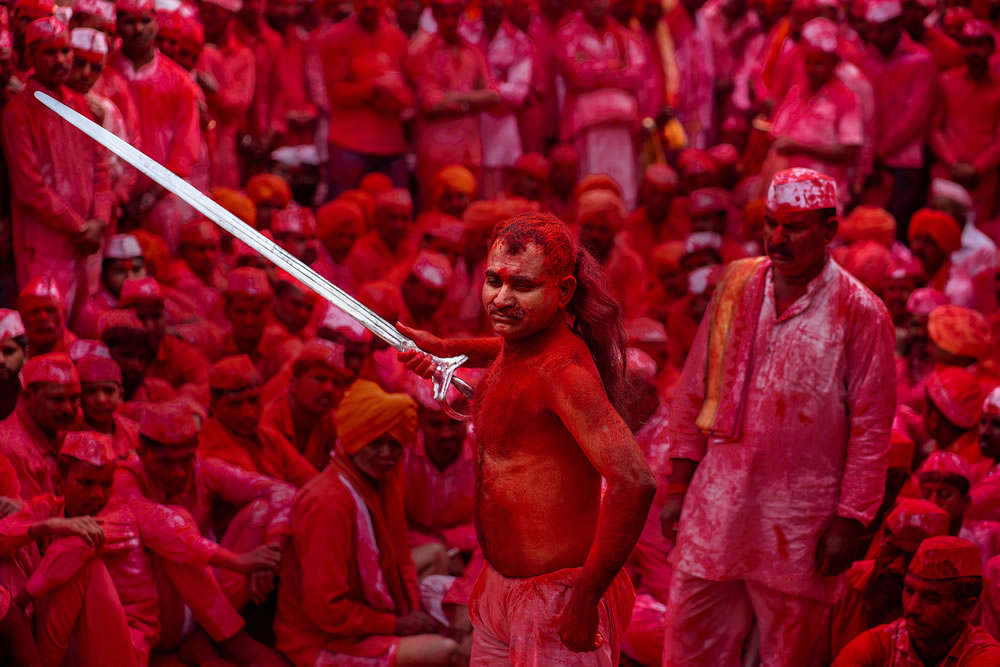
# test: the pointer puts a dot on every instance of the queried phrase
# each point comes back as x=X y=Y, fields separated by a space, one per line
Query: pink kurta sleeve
x=871 y=404
x=186 y=144
x=172 y=536
x=10 y=487
x=239 y=488
x=14 y=528
x=25 y=174
x=62 y=561
x=686 y=441
x=236 y=92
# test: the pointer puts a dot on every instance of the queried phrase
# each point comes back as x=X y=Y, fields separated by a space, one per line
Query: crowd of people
x=790 y=205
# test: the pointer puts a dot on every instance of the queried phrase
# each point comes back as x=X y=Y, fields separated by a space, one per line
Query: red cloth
x=945 y=51
x=59 y=179
x=441 y=501
x=268 y=453
x=318 y=441
x=266 y=113
x=31 y=453
x=626 y=275
x=203 y=295
x=323 y=602
x=890 y=645
x=184 y=366
x=353 y=61
x=235 y=71
x=294 y=68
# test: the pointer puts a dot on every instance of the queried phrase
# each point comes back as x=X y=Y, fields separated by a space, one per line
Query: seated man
x=940 y=593
x=13 y=345
x=169 y=471
x=293 y=305
x=294 y=229
x=101 y=393
x=954 y=399
x=44 y=315
x=440 y=479
x=874 y=590
x=131 y=346
x=247 y=302
x=945 y=480
x=122 y=260
x=304 y=414
x=29 y=438
x=423 y=290
x=349 y=588
x=986 y=482
x=197 y=271
x=233 y=432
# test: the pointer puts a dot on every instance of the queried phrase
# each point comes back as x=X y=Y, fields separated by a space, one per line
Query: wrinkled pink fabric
x=514 y=624
x=228 y=107
x=30 y=452
x=830 y=355
x=440 y=501
x=985 y=535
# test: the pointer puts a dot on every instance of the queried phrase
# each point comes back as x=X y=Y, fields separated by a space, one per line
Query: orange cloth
x=338 y=215
x=939 y=226
x=367 y=413
x=960 y=331
x=263 y=187
x=868 y=261
x=869 y=223
x=236 y=203
x=268 y=453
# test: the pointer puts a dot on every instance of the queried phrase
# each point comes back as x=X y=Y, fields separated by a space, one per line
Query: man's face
x=408 y=15
x=267 y=208
x=595 y=11
x=201 y=258
x=239 y=411
x=249 y=316
x=952 y=208
x=563 y=176
x=657 y=199
x=493 y=10
x=87 y=488
x=519 y=295
x=443 y=436
x=796 y=241
x=153 y=317
x=895 y=294
x=946 y=496
x=393 y=223
x=709 y=222
x=421 y=299
x=99 y=401
x=673 y=281
x=527 y=186
x=989 y=436
x=43 y=323
x=188 y=53
x=214 y=18
x=117 y=271
x=927 y=251
x=251 y=11
x=84 y=74
x=368 y=12
x=820 y=66
x=977 y=51
x=53 y=406
x=134 y=354
x=447 y=15
x=453 y=202
x=11 y=360
x=916 y=330
x=138 y=31
x=931 y=609
x=294 y=243
x=293 y=307
x=379 y=457
x=339 y=242
x=913 y=17
x=52 y=60
x=355 y=351
x=884 y=36
x=171 y=467
x=893 y=558
x=699 y=304
x=320 y=389
x=597 y=234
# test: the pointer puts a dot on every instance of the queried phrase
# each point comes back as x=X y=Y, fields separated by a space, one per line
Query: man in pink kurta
x=61 y=195
x=778 y=441
x=966 y=134
x=265 y=118
x=166 y=101
x=122 y=260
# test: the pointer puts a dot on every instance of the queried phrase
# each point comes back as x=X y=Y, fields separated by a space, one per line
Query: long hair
x=595 y=315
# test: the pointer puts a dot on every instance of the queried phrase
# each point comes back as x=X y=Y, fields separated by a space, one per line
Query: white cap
x=121 y=246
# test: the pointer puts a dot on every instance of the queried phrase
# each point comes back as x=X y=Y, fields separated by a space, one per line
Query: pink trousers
x=515 y=620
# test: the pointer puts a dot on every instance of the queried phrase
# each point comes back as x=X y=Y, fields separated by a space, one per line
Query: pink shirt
x=30 y=451
x=441 y=501
x=815 y=432
x=967 y=120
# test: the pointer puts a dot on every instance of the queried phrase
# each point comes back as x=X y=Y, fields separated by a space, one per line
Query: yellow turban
x=455 y=177
x=236 y=203
x=268 y=186
x=367 y=413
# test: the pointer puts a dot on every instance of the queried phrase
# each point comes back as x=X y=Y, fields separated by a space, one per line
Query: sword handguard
x=444 y=376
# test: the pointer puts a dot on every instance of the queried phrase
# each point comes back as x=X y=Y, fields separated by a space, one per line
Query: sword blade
x=269 y=249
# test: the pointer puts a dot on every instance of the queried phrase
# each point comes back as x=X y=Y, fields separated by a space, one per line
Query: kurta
x=317 y=444
x=441 y=502
x=30 y=451
x=265 y=115
x=275 y=348
x=812 y=442
x=184 y=366
x=59 y=179
x=268 y=453
x=890 y=646
x=297 y=55
x=228 y=107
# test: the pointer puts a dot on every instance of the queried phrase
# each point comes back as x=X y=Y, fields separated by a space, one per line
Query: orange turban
x=957 y=394
x=939 y=226
x=868 y=261
x=336 y=215
x=667 y=256
x=375 y=182
x=154 y=251
x=363 y=200
x=754 y=213
x=869 y=223
x=596 y=182
x=368 y=412
x=603 y=203
x=236 y=203
x=960 y=331
x=484 y=215
x=262 y=187
x=455 y=177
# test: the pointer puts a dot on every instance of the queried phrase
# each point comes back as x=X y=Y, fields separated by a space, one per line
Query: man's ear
x=567 y=288
x=830 y=228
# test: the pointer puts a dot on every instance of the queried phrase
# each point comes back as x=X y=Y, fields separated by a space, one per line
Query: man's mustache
x=513 y=312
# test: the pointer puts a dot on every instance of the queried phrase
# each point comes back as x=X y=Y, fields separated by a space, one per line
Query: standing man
x=778 y=441
x=60 y=184
x=554 y=591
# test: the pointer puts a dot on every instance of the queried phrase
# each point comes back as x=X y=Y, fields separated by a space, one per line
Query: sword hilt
x=443 y=377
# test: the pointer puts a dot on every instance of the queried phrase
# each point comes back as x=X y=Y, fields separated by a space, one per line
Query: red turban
x=946 y=557
x=367 y=413
x=919 y=514
x=83 y=347
x=960 y=331
x=534 y=165
x=54 y=367
x=236 y=203
x=248 y=282
x=234 y=373
x=293 y=220
x=601 y=203
x=200 y=232
x=119 y=318
x=337 y=215
x=336 y=320
x=484 y=215
x=122 y=246
x=800 y=189
x=46 y=30
x=944 y=231
x=432 y=269
x=40 y=290
x=667 y=256
x=154 y=251
x=660 y=176
x=868 y=261
x=263 y=187
x=363 y=200
x=946 y=463
x=89 y=447
x=924 y=300
x=170 y=424
x=645 y=330
x=320 y=352
x=98 y=369
x=708 y=200
x=596 y=182
x=869 y=223
x=375 y=182
x=140 y=291
x=397 y=198
x=381 y=296
x=956 y=393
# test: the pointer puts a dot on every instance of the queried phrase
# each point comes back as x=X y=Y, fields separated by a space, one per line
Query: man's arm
x=577 y=397
x=481 y=351
x=239 y=488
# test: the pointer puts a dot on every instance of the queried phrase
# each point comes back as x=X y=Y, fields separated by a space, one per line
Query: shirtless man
x=548 y=431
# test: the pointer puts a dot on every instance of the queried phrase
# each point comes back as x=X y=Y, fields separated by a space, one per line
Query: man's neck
x=979 y=72
x=490 y=29
x=528 y=347
x=107 y=428
x=141 y=58
x=789 y=289
x=302 y=419
x=932 y=653
x=441 y=464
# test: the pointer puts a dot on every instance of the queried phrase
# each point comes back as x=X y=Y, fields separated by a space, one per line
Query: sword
x=444 y=368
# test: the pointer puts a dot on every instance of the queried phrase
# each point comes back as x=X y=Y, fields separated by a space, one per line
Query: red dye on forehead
x=550 y=234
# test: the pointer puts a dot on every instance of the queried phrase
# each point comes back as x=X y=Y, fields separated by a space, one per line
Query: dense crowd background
x=381 y=144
